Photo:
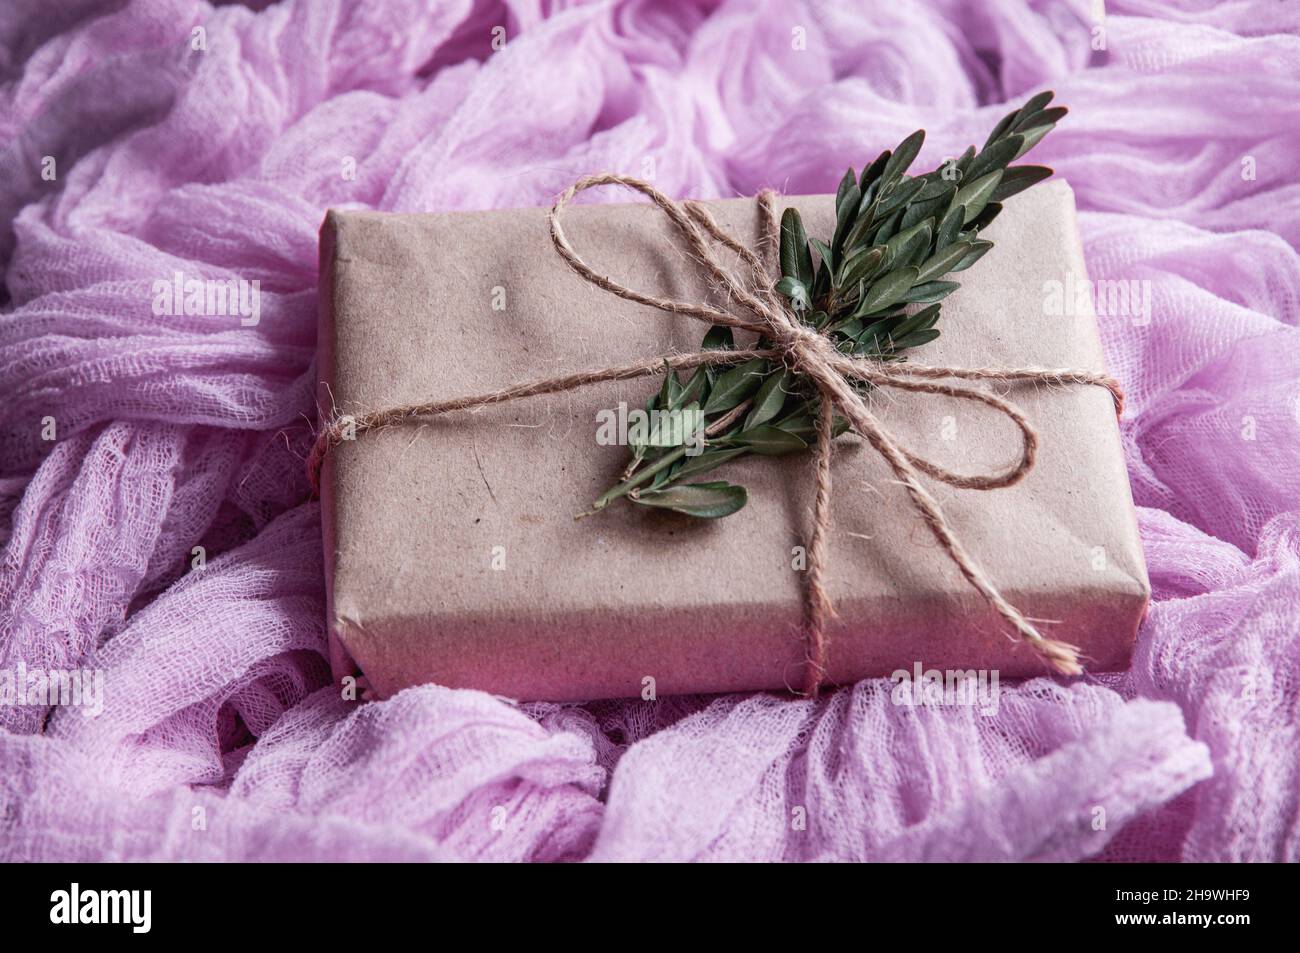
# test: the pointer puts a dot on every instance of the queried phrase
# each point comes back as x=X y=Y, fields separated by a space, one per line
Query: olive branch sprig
x=875 y=290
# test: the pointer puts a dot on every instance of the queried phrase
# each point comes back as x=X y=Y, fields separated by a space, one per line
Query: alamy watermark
x=1106 y=297
x=133 y=908
x=971 y=688
x=651 y=428
x=233 y=297
x=78 y=688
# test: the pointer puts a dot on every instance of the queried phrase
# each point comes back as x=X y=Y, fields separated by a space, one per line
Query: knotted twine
x=808 y=354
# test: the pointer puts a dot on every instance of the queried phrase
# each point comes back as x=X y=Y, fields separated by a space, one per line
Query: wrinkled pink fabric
x=221 y=737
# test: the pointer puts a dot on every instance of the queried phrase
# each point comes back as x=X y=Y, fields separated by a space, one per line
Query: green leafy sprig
x=874 y=289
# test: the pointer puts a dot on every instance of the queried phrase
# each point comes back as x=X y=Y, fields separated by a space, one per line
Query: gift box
x=451 y=548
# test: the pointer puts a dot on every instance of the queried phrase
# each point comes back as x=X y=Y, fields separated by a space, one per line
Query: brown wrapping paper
x=451 y=549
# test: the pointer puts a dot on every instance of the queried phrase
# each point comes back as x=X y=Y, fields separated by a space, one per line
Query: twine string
x=812 y=356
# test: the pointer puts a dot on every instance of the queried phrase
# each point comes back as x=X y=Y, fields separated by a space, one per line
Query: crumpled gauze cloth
x=209 y=140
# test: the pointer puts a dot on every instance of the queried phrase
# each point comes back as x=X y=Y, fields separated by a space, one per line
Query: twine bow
x=806 y=352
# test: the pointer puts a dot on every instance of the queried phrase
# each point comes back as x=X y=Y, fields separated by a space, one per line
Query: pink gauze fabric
x=183 y=137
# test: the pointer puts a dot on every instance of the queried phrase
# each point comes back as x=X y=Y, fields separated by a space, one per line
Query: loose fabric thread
x=810 y=355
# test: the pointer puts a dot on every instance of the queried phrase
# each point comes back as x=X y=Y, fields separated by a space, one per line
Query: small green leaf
x=984 y=218
x=876 y=234
x=1003 y=125
x=801 y=425
x=847 y=184
x=935 y=207
x=877 y=329
x=735 y=386
x=703 y=500
x=662 y=477
x=695 y=389
x=871 y=173
x=935 y=186
x=929 y=292
x=1034 y=104
x=869 y=194
x=704 y=462
x=923 y=320
x=908 y=242
x=719 y=338
x=861 y=266
x=824 y=252
x=888 y=290
x=825 y=260
x=769 y=400
x=978 y=248
x=769 y=441
x=671 y=389
x=673 y=428
x=900 y=195
x=904 y=155
x=976 y=195
x=942 y=262
x=995 y=157
x=1032 y=136
x=796 y=262
x=950 y=227
x=851 y=327
x=1017 y=179
x=1043 y=117
x=964 y=161
x=798 y=293
x=916 y=339
x=846 y=210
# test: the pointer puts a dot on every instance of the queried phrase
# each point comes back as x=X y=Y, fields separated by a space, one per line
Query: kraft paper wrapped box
x=451 y=548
